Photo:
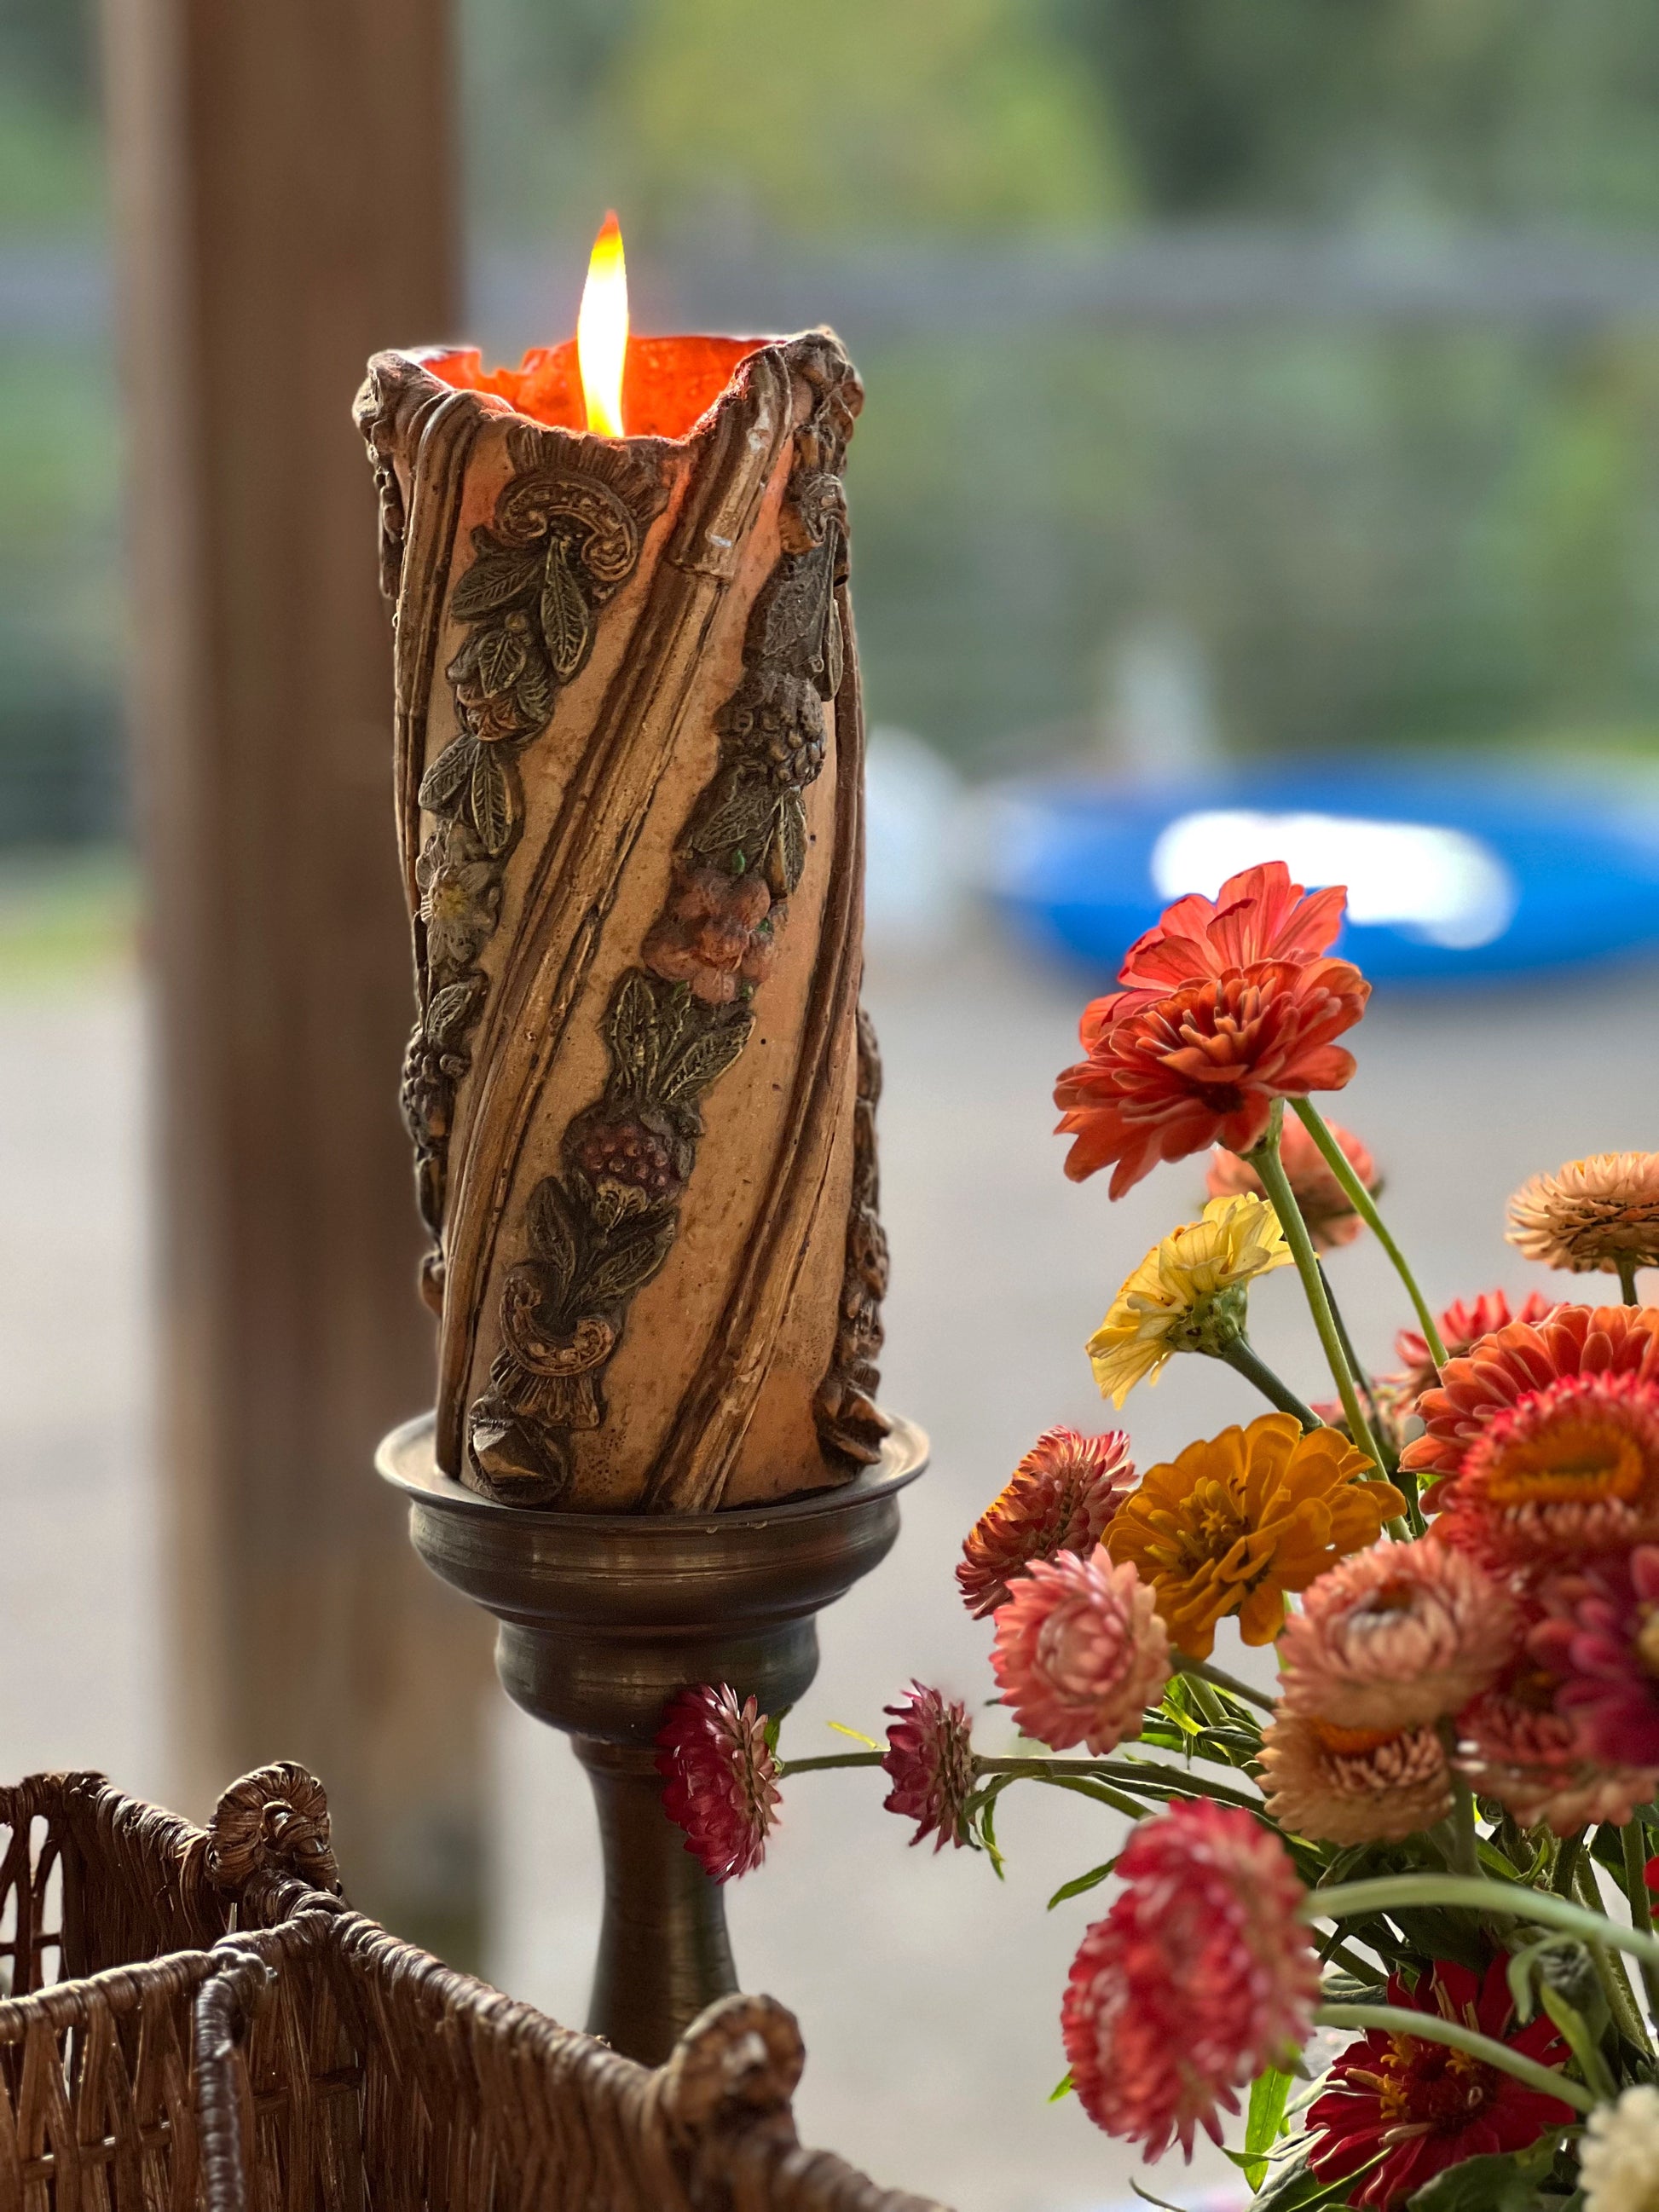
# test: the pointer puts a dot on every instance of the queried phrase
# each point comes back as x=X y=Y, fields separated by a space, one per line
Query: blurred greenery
x=1358 y=532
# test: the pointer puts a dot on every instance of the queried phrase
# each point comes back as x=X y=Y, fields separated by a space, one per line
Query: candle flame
x=602 y=331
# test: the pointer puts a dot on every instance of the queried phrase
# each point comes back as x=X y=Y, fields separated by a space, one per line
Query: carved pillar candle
x=628 y=770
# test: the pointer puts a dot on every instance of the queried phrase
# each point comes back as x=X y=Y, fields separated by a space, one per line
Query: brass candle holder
x=628 y=774
x=603 y=1617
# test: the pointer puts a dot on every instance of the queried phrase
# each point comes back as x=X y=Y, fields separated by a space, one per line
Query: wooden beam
x=284 y=182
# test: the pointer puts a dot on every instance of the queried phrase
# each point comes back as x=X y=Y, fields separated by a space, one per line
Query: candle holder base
x=602 y=1618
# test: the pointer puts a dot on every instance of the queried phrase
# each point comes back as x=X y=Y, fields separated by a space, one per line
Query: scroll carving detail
x=566 y=533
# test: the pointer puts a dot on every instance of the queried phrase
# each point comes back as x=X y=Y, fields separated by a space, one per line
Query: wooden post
x=286 y=204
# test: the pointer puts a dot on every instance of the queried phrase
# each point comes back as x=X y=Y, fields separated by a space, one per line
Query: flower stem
x=1365 y=1206
x=1566 y=1863
x=826 y=1759
x=1268 y=1164
x=1152 y=1779
x=1634 y=1840
x=1626 y=1268
x=1466 y=1842
x=1353 y=1899
x=1430 y=2027
x=1610 y=1969
x=1242 y=1359
x=1221 y=1680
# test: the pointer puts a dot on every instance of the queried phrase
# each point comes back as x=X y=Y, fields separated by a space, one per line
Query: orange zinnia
x=1500 y=1369
x=1232 y=1525
x=1258 y=915
x=1205 y=1065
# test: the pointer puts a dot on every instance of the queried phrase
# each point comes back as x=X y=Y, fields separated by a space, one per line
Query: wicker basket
x=196 y=2019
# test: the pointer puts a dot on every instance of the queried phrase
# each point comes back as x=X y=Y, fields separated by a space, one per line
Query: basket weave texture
x=193 y=2018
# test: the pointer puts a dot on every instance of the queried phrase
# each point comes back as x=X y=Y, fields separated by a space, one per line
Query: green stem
x=1365 y=1206
x=1356 y=1365
x=1633 y=1839
x=787 y=1766
x=1430 y=2027
x=1466 y=1841
x=1566 y=1863
x=1610 y=1970
x=1268 y=1164
x=1221 y=1680
x=1626 y=1268
x=1244 y=1360
x=1135 y=1774
x=1352 y=1899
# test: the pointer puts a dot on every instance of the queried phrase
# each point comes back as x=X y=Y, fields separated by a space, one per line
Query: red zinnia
x=1205 y=1065
x=1499 y=1369
x=1461 y=1326
x=1425 y=2105
x=1200 y=1975
x=720 y=1778
x=930 y=1764
x=1059 y=1498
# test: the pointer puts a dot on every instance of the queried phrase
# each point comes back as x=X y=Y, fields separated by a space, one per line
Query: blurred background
x=1242 y=383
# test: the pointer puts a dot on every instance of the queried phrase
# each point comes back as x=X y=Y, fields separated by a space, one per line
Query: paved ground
x=927 y=1991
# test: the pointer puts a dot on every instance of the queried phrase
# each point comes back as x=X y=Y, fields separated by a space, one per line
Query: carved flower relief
x=717 y=935
x=777 y=721
x=460 y=893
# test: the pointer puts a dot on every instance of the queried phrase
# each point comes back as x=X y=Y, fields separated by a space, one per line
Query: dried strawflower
x=1525 y=1356
x=719 y=1778
x=1232 y=1524
x=1571 y=1469
x=1059 y=1498
x=1514 y=1745
x=1619 y=2154
x=1423 y=2106
x=1188 y=1294
x=1325 y=1205
x=1201 y=1975
x=1599 y=1638
x=1204 y=1065
x=930 y=1763
x=1080 y=1652
x=1354 y=1785
x=1462 y=1326
x=1598 y=1214
x=1395 y=1637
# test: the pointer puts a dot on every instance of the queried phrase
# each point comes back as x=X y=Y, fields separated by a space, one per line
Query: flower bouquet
x=1392 y=1920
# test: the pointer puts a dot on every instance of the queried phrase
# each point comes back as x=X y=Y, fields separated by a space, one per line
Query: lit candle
x=629 y=763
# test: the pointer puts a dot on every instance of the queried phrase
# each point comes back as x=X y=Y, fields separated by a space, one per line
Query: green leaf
x=1499 y=2182
x=1299 y=2189
x=1571 y=2023
x=1147 y=2197
x=501 y=661
x=1080 y=1882
x=1264 y=2124
x=447 y=777
x=566 y=623
x=706 y=1058
x=496 y=580
x=1063 y=2088
x=492 y=803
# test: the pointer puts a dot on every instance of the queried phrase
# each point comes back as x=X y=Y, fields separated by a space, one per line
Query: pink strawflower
x=1325 y=1206
x=1201 y=1976
x=1080 y=1652
x=1349 y=1785
x=1600 y=1639
x=1462 y=1326
x=931 y=1764
x=1395 y=1637
x=1059 y=1498
x=719 y=1778
x=1514 y=1745
x=1569 y=1470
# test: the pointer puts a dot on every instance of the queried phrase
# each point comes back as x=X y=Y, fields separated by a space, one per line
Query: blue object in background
x=1455 y=873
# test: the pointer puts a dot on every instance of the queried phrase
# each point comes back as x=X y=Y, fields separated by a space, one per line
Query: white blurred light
x=1439 y=884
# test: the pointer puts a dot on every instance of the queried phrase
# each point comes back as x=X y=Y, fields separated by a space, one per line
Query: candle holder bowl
x=602 y=1619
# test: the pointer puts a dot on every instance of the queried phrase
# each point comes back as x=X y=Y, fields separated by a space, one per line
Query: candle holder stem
x=603 y=1618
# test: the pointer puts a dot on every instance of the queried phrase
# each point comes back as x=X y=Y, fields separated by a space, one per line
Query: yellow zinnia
x=1232 y=1524
x=1187 y=1294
